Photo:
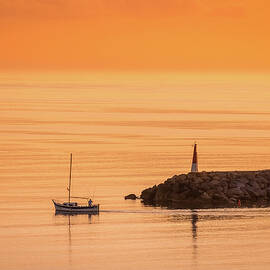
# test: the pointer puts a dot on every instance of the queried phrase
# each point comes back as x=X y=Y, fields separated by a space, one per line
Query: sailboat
x=74 y=207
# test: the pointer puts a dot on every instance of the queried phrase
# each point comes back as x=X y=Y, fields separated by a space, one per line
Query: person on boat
x=90 y=202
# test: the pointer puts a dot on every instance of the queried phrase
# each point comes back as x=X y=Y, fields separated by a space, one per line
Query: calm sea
x=128 y=132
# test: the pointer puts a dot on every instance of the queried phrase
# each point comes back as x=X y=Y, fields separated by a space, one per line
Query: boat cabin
x=70 y=204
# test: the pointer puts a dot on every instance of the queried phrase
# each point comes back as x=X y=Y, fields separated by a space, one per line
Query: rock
x=205 y=196
x=235 y=192
x=234 y=183
x=131 y=197
x=182 y=177
x=176 y=187
x=243 y=180
x=183 y=195
x=149 y=194
x=219 y=196
x=162 y=195
x=204 y=186
x=252 y=192
x=205 y=177
x=268 y=192
x=254 y=184
x=214 y=182
x=198 y=180
x=220 y=189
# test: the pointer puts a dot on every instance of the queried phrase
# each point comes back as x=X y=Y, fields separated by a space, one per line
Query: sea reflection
x=194 y=220
x=69 y=215
x=193 y=217
x=70 y=219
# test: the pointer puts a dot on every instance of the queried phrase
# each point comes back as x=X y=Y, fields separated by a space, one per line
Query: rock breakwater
x=211 y=190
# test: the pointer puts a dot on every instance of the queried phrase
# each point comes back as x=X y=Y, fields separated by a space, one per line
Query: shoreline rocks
x=131 y=197
x=211 y=190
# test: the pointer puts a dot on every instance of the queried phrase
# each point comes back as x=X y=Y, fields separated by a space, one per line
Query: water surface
x=128 y=132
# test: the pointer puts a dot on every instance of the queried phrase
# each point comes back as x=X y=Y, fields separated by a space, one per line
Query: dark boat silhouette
x=74 y=207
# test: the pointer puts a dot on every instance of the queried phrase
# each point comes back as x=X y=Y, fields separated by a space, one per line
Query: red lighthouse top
x=194 y=166
x=195 y=158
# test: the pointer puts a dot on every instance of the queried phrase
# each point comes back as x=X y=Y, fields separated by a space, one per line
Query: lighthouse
x=194 y=166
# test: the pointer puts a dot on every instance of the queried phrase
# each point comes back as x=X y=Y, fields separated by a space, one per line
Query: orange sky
x=135 y=34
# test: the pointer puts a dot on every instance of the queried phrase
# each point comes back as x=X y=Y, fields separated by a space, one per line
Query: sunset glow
x=134 y=134
x=154 y=34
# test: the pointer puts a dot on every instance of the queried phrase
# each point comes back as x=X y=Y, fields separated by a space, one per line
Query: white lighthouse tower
x=194 y=166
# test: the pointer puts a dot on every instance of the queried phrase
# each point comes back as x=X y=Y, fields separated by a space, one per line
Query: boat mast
x=70 y=168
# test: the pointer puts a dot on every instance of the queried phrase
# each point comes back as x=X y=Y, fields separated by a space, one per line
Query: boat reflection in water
x=69 y=215
x=68 y=218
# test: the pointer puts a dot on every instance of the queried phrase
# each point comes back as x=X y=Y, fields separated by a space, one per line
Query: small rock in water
x=131 y=197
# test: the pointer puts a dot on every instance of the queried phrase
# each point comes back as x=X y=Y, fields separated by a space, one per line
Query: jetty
x=211 y=190
x=216 y=189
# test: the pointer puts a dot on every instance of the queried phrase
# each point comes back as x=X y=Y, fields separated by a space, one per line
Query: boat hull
x=75 y=209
